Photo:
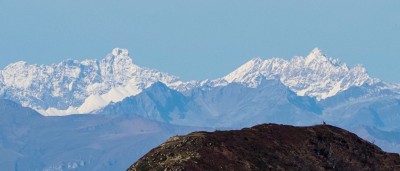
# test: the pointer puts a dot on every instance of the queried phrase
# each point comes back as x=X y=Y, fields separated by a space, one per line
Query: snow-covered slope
x=315 y=75
x=77 y=87
x=73 y=87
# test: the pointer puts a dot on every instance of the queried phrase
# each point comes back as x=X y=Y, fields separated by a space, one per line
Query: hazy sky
x=203 y=38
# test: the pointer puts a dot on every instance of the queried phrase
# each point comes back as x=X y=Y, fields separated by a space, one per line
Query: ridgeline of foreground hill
x=268 y=147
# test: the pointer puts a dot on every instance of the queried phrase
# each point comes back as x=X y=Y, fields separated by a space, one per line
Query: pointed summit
x=317 y=52
x=315 y=75
x=316 y=55
x=253 y=63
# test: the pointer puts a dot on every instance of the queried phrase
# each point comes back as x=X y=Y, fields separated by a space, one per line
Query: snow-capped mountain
x=74 y=87
x=136 y=108
x=77 y=87
x=315 y=75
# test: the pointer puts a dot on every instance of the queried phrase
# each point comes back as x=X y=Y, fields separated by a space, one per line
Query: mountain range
x=74 y=87
x=118 y=101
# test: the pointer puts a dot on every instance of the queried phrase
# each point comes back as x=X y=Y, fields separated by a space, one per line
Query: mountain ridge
x=73 y=87
x=315 y=75
x=120 y=95
x=224 y=106
x=64 y=87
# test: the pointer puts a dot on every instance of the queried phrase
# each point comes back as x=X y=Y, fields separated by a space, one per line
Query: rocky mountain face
x=269 y=147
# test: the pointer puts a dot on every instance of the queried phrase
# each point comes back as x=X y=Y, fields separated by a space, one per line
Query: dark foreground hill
x=269 y=147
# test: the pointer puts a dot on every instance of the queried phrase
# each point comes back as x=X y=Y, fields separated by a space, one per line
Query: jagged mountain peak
x=316 y=56
x=82 y=87
x=67 y=87
x=315 y=75
x=317 y=51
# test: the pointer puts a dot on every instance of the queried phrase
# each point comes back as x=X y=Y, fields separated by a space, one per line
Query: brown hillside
x=268 y=147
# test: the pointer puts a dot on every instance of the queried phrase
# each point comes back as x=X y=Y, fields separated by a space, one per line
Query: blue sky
x=202 y=39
